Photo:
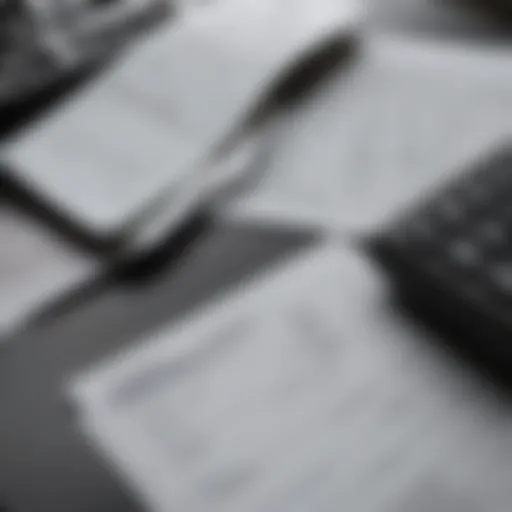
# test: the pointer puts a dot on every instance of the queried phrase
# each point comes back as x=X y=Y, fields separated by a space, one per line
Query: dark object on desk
x=452 y=257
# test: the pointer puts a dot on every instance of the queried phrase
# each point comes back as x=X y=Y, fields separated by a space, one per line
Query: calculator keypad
x=463 y=236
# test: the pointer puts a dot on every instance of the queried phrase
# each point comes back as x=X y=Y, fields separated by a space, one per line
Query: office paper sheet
x=148 y=122
x=404 y=118
x=298 y=392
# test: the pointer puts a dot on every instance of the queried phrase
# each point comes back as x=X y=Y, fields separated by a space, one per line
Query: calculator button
x=452 y=210
x=419 y=231
x=492 y=232
x=465 y=253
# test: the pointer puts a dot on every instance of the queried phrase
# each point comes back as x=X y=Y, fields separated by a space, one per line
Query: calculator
x=452 y=256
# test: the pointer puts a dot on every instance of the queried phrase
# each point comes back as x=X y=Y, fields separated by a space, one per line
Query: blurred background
x=205 y=175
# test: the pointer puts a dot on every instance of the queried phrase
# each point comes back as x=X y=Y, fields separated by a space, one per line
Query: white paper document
x=403 y=119
x=296 y=393
x=36 y=268
x=144 y=126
